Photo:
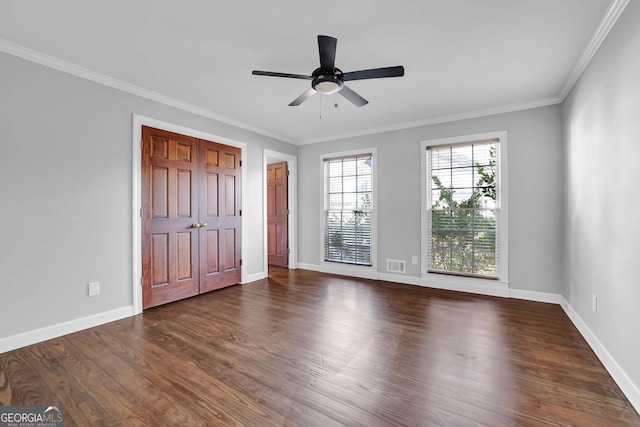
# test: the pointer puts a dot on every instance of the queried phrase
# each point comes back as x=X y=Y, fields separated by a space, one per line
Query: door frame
x=270 y=156
x=136 y=178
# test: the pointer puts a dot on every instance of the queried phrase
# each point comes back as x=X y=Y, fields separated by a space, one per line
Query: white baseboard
x=342 y=270
x=471 y=285
x=256 y=276
x=399 y=278
x=535 y=296
x=497 y=289
x=365 y=273
x=630 y=390
x=494 y=289
x=38 y=335
x=307 y=266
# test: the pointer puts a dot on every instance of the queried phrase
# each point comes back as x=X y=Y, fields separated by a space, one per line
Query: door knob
x=196 y=225
x=203 y=224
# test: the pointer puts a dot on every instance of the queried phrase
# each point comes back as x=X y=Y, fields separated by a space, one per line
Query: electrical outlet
x=594 y=302
x=414 y=260
x=94 y=289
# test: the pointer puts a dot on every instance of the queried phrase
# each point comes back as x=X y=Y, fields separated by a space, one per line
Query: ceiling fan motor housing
x=327 y=82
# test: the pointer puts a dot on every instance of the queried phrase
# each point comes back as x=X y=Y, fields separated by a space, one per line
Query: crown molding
x=606 y=24
x=93 y=76
x=613 y=13
x=440 y=119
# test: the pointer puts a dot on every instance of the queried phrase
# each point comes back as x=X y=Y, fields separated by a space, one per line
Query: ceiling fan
x=328 y=79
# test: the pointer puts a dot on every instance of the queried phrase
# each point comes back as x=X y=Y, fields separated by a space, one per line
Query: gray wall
x=535 y=192
x=65 y=192
x=602 y=137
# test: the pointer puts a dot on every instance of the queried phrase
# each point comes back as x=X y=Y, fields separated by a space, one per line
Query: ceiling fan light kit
x=328 y=79
x=327 y=85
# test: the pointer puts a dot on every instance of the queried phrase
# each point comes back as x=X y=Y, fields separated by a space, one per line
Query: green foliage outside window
x=463 y=229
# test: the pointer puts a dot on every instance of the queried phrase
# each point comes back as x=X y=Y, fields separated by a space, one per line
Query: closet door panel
x=170 y=261
x=221 y=213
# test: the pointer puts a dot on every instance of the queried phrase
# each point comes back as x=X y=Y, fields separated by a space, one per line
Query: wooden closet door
x=220 y=210
x=170 y=212
x=277 y=215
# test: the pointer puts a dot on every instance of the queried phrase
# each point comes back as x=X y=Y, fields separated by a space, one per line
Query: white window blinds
x=463 y=209
x=347 y=209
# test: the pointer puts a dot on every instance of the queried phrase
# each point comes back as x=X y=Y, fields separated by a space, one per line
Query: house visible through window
x=348 y=183
x=463 y=209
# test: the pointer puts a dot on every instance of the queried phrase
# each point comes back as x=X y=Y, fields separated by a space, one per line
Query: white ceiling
x=462 y=58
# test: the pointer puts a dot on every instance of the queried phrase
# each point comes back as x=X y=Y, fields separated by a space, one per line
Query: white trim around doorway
x=136 y=167
x=269 y=156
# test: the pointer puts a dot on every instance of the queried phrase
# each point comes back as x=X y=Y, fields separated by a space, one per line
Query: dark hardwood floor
x=309 y=349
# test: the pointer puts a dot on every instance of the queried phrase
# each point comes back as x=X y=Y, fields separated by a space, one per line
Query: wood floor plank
x=309 y=349
x=144 y=387
x=20 y=385
x=196 y=380
x=279 y=371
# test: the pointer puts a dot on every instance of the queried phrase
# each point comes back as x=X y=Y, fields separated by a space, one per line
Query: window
x=348 y=204
x=463 y=208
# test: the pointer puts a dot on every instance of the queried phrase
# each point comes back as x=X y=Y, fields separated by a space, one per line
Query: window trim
x=345 y=268
x=450 y=280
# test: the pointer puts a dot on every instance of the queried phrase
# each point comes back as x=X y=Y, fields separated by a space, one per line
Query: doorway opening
x=280 y=237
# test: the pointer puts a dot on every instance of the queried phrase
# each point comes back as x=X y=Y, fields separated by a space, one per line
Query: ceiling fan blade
x=374 y=73
x=272 y=74
x=327 y=48
x=299 y=100
x=353 y=97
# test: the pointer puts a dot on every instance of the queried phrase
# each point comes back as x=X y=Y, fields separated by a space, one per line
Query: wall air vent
x=396 y=266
